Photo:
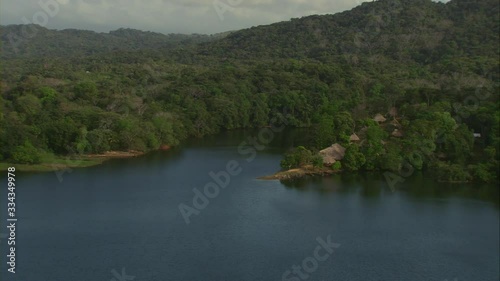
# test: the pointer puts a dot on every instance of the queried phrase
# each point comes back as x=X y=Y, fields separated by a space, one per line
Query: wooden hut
x=332 y=154
x=354 y=138
x=397 y=133
x=379 y=118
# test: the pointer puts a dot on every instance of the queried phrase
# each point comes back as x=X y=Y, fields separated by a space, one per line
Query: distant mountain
x=32 y=40
x=413 y=31
x=420 y=30
x=419 y=36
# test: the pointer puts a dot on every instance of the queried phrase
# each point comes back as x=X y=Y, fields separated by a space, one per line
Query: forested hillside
x=30 y=41
x=430 y=68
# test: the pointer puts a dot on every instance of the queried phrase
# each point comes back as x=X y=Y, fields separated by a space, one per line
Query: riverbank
x=297 y=173
x=51 y=163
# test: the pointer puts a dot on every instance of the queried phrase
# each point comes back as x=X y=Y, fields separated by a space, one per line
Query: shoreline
x=310 y=171
x=73 y=162
x=302 y=172
x=115 y=154
x=90 y=160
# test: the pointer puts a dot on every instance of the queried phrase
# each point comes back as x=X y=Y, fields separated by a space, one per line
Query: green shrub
x=317 y=161
x=451 y=172
x=483 y=172
x=337 y=166
x=353 y=159
x=296 y=158
x=26 y=154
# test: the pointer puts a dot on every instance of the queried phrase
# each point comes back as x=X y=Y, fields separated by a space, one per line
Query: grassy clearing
x=50 y=163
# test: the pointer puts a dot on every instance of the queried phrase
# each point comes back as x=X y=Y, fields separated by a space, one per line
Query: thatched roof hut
x=396 y=124
x=354 y=138
x=332 y=154
x=397 y=133
x=441 y=155
x=393 y=112
x=379 y=118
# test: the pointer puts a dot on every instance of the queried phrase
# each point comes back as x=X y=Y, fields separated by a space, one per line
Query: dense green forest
x=431 y=69
x=17 y=43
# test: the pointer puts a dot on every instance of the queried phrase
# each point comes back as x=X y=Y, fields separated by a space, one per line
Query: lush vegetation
x=430 y=68
x=23 y=41
x=300 y=157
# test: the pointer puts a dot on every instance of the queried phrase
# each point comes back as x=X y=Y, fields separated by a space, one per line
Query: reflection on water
x=373 y=185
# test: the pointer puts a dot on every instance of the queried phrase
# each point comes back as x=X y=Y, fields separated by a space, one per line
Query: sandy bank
x=300 y=173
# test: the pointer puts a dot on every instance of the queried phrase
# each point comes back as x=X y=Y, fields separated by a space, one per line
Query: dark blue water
x=121 y=221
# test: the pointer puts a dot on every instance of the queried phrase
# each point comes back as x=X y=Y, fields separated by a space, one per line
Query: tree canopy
x=430 y=68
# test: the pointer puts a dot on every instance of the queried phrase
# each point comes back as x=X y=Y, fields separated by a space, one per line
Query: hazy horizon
x=164 y=16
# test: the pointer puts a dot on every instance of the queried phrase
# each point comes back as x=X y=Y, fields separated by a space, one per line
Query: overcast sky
x=165 y=16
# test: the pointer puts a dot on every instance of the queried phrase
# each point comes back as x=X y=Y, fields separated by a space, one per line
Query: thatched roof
x=397 y=133
x=379 y=118
x=393 y=112
x=441 y=155
x=354 y=137
x=396 y=124
x=332 y=154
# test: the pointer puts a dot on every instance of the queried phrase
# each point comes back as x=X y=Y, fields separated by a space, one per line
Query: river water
x=121 y=221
